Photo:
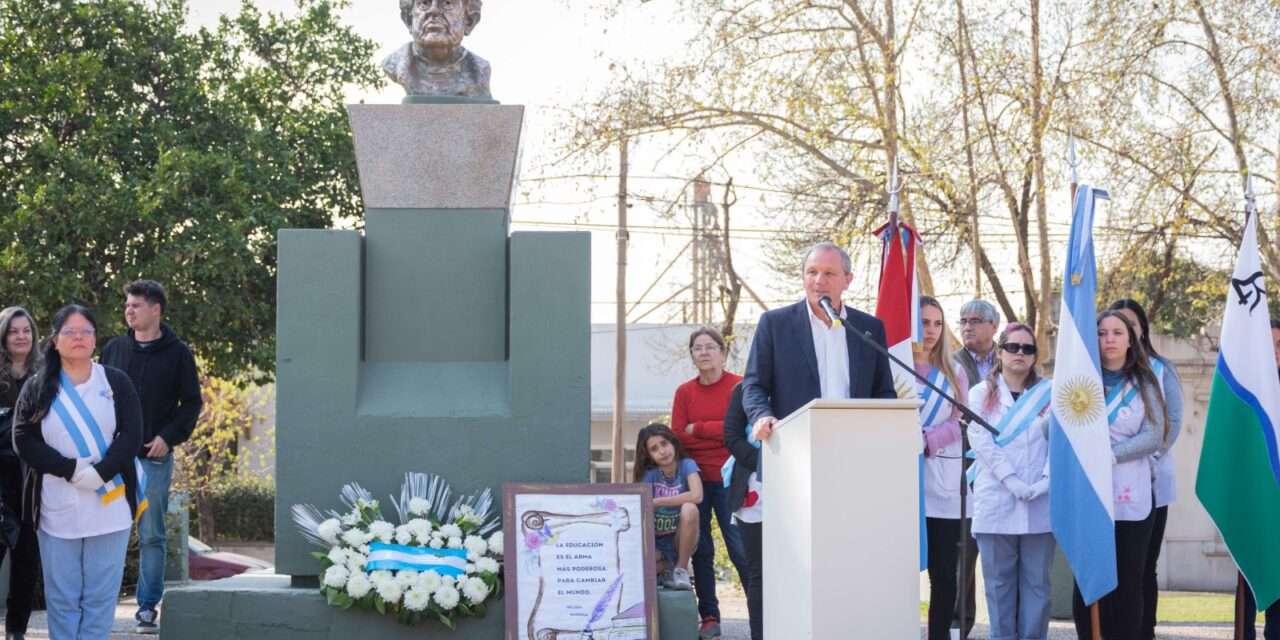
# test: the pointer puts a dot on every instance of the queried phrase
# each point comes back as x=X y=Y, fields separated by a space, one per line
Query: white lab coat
x=995 y=509
x=1131 y=481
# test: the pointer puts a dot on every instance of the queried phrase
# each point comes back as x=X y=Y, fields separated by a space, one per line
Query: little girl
x=677 y=491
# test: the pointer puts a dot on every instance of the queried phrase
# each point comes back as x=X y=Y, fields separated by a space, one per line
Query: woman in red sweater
x=697 y=415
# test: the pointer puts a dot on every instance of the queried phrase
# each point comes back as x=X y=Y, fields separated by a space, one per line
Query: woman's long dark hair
x=1133 y=305
x=643 y=461
x=49 y=375
x=1137 y=369
x=7 y=377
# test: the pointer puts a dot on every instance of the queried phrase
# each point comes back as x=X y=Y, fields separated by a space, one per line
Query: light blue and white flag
x=398 y=557
x=1081 y=504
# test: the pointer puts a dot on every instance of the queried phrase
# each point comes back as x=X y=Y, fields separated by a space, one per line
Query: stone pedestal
x=435 y=340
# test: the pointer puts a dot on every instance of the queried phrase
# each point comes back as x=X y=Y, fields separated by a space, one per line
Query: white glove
x=1017 y=487
x=87 y=478
x=1040 y=488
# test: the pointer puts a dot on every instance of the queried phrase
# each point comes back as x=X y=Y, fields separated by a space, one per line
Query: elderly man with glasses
x=978 y=323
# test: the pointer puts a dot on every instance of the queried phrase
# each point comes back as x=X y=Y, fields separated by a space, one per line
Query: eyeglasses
x=1014 y=347
x=967 y=321
x=77 y=333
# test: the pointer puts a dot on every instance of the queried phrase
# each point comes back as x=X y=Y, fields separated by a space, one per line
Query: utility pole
x=620 y=360
x=706 y=252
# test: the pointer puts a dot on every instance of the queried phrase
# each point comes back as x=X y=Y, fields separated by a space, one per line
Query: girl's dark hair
x=710 y=333
x=7 y=316
x=1130 y=304
x=1137 y=369
x=1033 y=376
x=49 y=375
x=643 y=461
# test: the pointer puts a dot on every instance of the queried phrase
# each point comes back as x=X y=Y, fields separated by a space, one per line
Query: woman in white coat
x=1011 y=505
x=1137 y=419
x=940 y=429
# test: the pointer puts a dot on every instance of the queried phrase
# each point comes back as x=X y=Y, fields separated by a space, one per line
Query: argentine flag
x=1081 y=507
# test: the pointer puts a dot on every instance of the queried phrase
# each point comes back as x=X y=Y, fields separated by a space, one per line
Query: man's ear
x=473 y=19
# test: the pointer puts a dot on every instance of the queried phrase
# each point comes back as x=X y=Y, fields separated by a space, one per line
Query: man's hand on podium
x=763 y=428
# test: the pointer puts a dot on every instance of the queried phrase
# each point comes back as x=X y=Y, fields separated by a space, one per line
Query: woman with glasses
x=697 y=418
x=1138 y=421
x=79 y=428
x=940 y=429
x=1162 y=464
x=1010 y=487
x=19 y=358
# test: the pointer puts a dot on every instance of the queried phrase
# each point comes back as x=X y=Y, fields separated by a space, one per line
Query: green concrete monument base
x=266 y=607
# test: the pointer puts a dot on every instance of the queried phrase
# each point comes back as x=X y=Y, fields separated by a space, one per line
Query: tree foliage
x=1171 y=103
x=134 y=147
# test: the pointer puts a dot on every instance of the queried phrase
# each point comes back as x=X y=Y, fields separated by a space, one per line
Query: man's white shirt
x=831 y=345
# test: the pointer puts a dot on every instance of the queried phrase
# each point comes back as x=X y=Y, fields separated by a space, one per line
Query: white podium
x=841 y=522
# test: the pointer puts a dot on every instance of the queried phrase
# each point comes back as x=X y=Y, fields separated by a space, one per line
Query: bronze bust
x=436 y=63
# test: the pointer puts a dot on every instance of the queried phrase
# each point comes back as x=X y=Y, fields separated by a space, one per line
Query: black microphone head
x=824 y=302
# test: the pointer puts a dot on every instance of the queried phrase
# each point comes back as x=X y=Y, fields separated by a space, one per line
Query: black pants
x=1272 y=629
x=1150 y=588
x=753 y=543
x=24 y=558
x=944 y=549
x=1120 y=611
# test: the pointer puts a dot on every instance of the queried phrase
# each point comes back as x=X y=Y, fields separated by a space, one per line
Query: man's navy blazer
x=782 y=370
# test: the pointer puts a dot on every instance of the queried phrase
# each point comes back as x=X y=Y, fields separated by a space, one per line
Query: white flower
x=381 y=577
x=403 y=534
x=351 y=519
x=476 y=545
x=354 y=537
x=428 y=581
x=436 y=542
x=495 y=543
x=455 y=543
x=469 y=569
x=419 y=506
x=329 y=531
x=390 y=591
x=355 y=561
x=358 y=586
x=447 y=581
x=451 y=531
x=475 y=589
x=336 y=576
x=487 y=565
x=447 y=597
x=421 y=529
x=382 y=530
x=417 y=599
x=406 y=578
x=338 y=555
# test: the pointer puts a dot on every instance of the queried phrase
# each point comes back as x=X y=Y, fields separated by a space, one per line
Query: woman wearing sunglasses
x=1138 y=422
x=1011 y=483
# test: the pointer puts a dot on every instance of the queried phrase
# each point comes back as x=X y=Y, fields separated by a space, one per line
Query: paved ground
x=733 y=606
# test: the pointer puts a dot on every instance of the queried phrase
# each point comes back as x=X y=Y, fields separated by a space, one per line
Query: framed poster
x=579 y=562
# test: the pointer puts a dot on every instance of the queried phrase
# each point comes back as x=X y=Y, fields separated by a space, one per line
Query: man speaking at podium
x=799 y=354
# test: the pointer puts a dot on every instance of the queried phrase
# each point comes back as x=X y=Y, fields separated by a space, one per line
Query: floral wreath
x=437 y=563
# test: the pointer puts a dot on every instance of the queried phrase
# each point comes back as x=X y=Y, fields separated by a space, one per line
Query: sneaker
x=146 y=619
x=680 y=580
x=710 y=629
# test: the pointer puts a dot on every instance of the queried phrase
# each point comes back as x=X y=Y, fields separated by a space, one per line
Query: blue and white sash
x=726 y=470
x=91 y=442
x=1122 y=396
x=1021 y=415
x=398 y=557
x=931 y=412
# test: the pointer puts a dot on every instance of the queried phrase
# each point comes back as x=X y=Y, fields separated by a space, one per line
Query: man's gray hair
x=473 y=13
x=982 y=309
x=822 y=247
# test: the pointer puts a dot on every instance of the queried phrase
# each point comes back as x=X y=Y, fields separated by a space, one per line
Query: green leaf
x=323 y=557
x=380 y=604
x=445 y=620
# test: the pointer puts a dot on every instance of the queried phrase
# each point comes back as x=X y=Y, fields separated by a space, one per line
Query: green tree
x=133 y=147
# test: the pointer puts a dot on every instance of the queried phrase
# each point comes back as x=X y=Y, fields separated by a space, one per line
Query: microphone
x=825 y=303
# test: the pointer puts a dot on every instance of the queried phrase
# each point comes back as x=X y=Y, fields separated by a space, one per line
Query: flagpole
x=1250 y=206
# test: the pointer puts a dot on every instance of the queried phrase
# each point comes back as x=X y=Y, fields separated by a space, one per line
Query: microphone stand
x=967 y=417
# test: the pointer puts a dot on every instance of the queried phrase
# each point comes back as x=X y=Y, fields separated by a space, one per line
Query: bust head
x=438 y=26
